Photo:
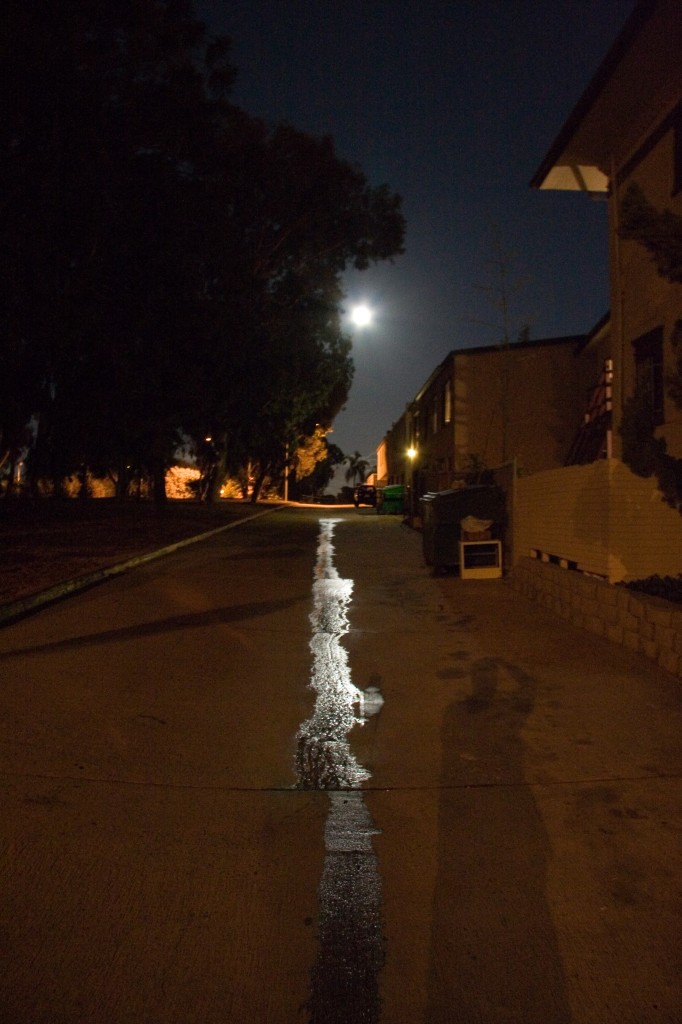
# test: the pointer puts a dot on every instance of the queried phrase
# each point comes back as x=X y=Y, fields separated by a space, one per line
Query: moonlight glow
x=361 y=316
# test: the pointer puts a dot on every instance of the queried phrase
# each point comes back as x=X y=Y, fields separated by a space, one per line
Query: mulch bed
x=45 y=542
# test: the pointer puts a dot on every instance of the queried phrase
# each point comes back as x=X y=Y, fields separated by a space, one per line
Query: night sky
x=454 y=104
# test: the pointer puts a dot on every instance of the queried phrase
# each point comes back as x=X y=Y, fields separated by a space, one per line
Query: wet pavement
x=345 y=976
x=290 y=775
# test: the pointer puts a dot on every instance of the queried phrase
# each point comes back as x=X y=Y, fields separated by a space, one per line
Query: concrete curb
x=25 y=605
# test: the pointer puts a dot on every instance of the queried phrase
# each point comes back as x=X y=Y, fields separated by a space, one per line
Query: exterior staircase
x=593 y=439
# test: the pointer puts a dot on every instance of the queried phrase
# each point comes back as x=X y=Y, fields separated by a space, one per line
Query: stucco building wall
x=643 y=300
x=493 y=405
x=523 y=402
x=626 y=129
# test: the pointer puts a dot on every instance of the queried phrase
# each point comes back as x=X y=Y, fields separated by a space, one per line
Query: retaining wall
x=600 y=517
x=648 y=625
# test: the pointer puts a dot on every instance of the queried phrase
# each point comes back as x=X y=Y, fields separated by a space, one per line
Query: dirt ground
x=43 y=543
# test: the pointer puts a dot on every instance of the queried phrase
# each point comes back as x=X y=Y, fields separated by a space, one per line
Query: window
x=677 y=149
x=447 y=402
x=416 y=431
x=649 y=371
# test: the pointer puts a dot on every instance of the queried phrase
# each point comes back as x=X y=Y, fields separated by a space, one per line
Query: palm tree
x=357 y=468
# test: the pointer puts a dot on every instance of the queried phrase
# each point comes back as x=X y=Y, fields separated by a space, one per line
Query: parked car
x=365 y=494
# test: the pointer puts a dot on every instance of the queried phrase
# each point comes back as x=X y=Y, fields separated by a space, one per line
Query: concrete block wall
x=564 y=512
x=648 y=625
x=645 y=534
x=602 y=518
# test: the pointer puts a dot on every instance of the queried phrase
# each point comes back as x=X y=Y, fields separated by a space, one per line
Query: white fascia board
x=576 y=178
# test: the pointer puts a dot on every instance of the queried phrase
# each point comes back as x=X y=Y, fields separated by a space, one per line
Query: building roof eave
x=599 y=328
x=558 y=172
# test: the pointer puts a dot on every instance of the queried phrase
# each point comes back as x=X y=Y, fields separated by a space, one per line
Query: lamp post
x=412 y=454
x=286 y=472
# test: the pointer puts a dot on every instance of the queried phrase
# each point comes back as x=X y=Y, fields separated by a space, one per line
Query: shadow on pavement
x=494 y=953
x=191 y=620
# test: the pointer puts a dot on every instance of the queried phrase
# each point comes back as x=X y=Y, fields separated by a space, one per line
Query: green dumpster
x=392 y=500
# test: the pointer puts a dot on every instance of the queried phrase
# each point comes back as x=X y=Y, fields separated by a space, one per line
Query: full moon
x=361 y=316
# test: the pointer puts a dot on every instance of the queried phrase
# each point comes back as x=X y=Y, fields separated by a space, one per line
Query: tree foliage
x=315 y=462
x=172 y=264
x=660 y=232
x=357 y=468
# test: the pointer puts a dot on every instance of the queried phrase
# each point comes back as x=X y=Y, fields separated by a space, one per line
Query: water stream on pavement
x=344 y=979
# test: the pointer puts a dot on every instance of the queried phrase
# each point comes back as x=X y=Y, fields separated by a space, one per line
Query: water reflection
x=344 y=980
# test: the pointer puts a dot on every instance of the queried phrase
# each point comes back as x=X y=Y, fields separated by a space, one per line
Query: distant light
x=361 y=315
x=411 y=452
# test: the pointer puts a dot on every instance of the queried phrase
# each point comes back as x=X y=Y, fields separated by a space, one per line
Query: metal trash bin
x=443 y=512
x=391 y=500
